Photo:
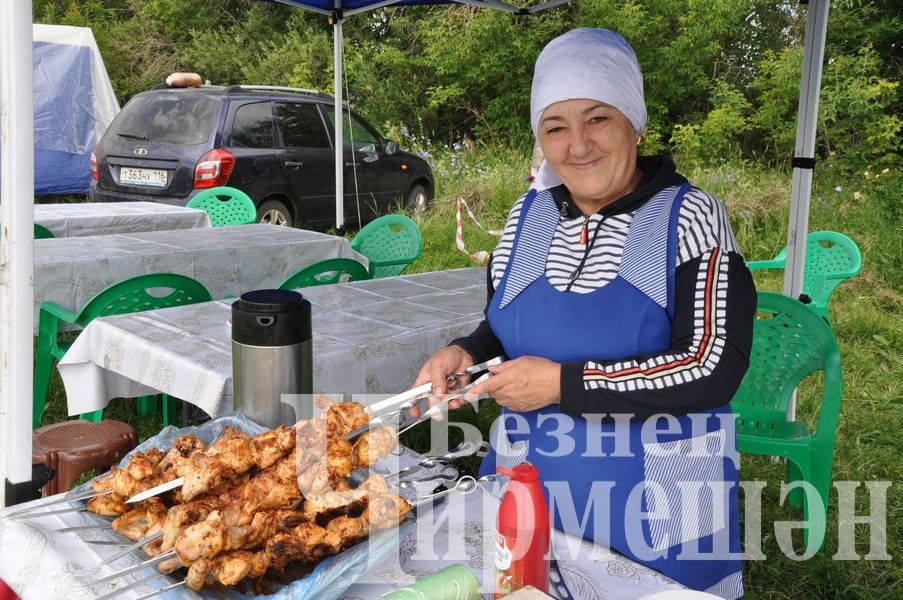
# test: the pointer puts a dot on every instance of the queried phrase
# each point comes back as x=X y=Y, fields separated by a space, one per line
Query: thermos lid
x=271 y=318
x=271 y=301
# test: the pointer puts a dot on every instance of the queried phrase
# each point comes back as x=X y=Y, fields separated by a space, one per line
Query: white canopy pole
x=804 y=152
x=16 y=239
x=339 y=141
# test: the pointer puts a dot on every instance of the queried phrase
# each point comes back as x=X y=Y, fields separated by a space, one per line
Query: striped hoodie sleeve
x=711 y=333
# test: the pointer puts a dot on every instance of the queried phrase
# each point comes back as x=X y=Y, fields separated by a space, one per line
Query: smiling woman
x=620 y=298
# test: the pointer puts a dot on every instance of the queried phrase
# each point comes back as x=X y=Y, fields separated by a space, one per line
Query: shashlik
x=306 y=542
x=249 y=504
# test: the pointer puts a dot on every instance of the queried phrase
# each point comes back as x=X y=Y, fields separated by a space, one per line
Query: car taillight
x=213 y=169
x=95 y=174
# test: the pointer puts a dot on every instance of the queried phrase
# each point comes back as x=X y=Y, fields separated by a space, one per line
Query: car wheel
x=418 y=200
x=274 y=212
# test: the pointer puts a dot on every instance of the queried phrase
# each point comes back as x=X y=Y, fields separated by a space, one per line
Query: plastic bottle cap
x=524 y=472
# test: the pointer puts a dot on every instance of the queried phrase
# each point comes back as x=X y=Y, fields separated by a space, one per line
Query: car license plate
x=145 y=177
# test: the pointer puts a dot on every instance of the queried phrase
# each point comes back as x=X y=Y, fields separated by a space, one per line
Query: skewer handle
x=52 y=501
x=138 y=583
x=131 y=548
x=162 y=590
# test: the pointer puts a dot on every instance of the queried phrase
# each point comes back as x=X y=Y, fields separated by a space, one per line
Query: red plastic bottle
x=523 y=533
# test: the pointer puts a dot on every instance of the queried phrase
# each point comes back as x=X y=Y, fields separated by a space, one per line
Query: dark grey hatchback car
x=275 y=144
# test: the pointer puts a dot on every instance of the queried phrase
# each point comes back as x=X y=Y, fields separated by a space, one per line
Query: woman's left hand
x=523 y=384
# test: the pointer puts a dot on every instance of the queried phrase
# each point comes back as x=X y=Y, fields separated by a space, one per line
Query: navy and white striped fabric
x=671 y=469
x=532 y=245
x=702 y=225
x=642 y=263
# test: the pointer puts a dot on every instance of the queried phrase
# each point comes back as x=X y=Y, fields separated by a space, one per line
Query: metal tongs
x=404 y=401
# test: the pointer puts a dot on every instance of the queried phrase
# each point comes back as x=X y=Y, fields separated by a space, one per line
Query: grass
x=866 y=314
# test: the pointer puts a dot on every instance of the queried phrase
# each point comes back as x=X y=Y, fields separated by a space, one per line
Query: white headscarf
x=596 y=64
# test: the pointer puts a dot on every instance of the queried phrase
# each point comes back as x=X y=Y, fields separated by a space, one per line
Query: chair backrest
x=145 y=292
x=790 y=341
x=831 y=257
x=226 y=206
x=333 y=270
x=390 y=243
x=42 y=233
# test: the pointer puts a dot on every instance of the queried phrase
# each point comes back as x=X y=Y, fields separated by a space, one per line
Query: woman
x=621 y=299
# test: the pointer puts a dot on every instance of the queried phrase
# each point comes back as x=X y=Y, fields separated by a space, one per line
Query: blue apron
x=666 y=496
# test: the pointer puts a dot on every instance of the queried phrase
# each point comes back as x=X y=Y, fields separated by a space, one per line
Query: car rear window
x=173 y=118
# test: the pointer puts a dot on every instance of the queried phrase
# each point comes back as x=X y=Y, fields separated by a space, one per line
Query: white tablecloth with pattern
x=97 y=218
x=41 y=564
x=370 y=337
x=227 y=260
x=462 y=530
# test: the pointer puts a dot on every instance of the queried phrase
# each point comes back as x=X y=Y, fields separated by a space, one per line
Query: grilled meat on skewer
x=344 y=417
x=148 y=517
x=307 y=542
x=374 y=445
x=110 y=505
x=228 y=569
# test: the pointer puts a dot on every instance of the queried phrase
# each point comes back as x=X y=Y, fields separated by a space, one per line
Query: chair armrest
x=761 y=265
x=392 y=261
x=61 y=313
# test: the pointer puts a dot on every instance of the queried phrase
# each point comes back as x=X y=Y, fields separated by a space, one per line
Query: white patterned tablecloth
x=227 y=260
x=370 y=337
x=41 y=564
x=462 y=530
x=96 y=218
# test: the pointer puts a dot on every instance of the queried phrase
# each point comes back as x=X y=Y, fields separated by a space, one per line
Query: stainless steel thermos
x=272 y=357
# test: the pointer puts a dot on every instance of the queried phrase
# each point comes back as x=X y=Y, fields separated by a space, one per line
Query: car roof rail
x=277 y=88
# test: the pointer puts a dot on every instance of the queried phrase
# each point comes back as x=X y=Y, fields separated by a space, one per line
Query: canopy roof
x=350 y=7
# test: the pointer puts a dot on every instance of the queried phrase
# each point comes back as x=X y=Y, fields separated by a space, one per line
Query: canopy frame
x=17 y=173
x=16 y=250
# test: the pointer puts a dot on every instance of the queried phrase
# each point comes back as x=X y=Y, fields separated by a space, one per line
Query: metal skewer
x=407 y=400
x=32 y=515
x=148 y=563
x=172 y=586
x=131 y=548
x=437 y=408
x=156 y=490
x=78 y=528
x=51 y=502
x=108 y=542
x=431 y=462
x=465 y=485
x=454 y=379
x=139 y=583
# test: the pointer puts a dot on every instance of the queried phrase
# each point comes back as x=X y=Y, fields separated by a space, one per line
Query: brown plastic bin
x=73 y=447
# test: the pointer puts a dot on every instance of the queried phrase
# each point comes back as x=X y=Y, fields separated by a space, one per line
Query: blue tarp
x=73 y=105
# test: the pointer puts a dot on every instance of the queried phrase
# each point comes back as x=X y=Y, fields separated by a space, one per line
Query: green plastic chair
x=831 y=258
x=790 y=342
x=126 y=296
x=333 y=270
x=42 y=233
x=390 y=243
x=225 y=206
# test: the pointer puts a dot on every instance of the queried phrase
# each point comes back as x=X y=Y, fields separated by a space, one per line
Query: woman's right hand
x=448 y=360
